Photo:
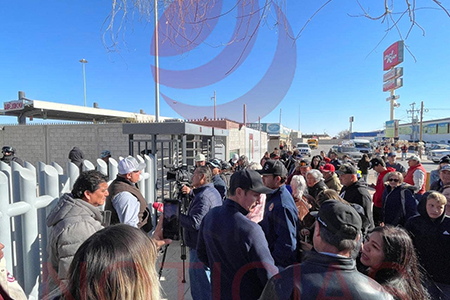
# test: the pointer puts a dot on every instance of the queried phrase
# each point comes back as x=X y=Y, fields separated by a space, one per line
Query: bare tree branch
x=178 y=13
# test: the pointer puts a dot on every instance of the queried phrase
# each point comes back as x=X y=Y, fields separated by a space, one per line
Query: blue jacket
x=231 y=245
x=220 y=185
x=280 y=225
x=204 y=198
x=393 y=211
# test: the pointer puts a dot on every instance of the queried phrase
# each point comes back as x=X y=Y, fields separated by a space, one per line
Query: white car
x=436 y=155
x=304 y=149
x=430 y=144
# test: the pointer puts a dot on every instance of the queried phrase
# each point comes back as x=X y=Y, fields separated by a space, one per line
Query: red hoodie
x=379 y=189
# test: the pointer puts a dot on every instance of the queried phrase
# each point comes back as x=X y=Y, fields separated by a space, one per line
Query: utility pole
x=422 y=110
x=414 y=120
x=421 y=121
x=351 y=119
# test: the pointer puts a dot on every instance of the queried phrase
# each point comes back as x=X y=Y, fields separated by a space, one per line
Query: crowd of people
x=286 y=227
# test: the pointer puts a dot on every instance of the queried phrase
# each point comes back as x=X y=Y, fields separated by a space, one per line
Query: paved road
x=427 y=164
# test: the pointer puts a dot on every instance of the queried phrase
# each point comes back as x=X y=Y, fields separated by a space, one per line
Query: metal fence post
x=113 y=166
x=87 y=166
x=72 y=173
x=27 y=184
x=150 y=194
x=102 y=166
x=6 y=169
x=142 y=178
x=49 y=186
x=7 y=211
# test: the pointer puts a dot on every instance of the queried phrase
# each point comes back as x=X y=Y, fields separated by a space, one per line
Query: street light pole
x=84 y=62
x=155 y=10
x=214 y=98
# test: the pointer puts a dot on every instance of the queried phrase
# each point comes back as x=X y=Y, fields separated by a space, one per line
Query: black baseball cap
x=334 y=214
x=347 y=169
x=377 y=161
x=215 y=163
x=273 y=167
x=445 y=160
x=248 y=180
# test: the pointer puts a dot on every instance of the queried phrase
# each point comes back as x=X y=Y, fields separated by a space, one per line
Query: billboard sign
x=393 y=84
x=273 y=128
x=13 y=105
x=393 y=55
x=393 y=73
x=391 y=129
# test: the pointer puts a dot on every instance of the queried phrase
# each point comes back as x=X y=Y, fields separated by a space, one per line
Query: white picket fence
x=27 y=195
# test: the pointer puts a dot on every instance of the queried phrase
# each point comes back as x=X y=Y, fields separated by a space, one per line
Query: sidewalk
x=172 y=287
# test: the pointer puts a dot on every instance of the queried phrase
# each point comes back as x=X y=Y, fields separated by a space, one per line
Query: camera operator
x=204 y=197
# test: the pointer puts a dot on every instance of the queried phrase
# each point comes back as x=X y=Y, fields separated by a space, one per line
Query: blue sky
x=338 y=73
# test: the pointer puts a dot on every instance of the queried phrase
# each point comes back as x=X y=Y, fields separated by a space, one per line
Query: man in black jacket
x=444 y=179
x=9 y=156
x=355 y=191
x=328 y=271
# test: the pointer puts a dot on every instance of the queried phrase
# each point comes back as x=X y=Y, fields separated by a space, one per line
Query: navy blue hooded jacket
x=236 y=251
x=280 y=225
x=205 y=198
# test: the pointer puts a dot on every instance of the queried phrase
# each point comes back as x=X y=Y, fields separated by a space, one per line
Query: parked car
x=436 y=147
x=430 y=144
x=352 y=152
x=304 y=149
x=333 y=148
x=435 y=155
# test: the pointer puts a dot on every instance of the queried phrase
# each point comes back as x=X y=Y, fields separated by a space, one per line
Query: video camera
x=178 y=204
x=179 y=174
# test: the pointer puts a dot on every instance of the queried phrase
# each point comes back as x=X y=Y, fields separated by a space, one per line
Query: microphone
x=158 y=206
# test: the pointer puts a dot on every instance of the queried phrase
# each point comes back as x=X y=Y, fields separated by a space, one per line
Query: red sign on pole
x=393 y=84
x=393 y=73
x=13 y=105
x=393 y=55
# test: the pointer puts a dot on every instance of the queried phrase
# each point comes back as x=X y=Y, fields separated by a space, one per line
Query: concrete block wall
x=49 y=143
x=52 y=142
x=29 y=141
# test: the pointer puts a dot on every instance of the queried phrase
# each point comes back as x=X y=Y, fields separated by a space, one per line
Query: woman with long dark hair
x=316 y=162
x=389 y=254
x=115 y=263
